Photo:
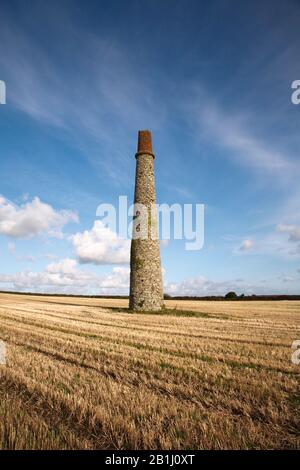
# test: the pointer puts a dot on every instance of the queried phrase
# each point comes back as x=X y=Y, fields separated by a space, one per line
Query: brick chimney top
x=144 y=143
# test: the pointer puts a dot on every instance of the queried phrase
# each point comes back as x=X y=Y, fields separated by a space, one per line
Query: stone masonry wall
x=146 y=292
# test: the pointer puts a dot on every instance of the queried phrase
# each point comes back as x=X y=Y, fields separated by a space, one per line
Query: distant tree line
x=230 y=296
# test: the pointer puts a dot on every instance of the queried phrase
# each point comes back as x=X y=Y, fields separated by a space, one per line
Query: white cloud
x=273 y=243
x=292 y=230
x=246 y=245
x=100 y=246
x=66 y=266
x=202 y=287
x=119 y=279
x=32 y=218
x=65 y=277
x=294 y=238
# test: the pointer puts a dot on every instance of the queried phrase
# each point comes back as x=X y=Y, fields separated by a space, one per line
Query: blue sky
x=211 y=80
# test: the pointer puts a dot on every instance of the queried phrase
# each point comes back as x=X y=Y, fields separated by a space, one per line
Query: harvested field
x=86 y=374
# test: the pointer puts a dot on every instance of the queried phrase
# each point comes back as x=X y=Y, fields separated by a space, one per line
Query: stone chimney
x=146 y=291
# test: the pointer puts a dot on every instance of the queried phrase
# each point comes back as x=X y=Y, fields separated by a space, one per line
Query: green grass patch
x=172 y=312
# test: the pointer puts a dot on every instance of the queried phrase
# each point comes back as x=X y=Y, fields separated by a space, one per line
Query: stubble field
x=86 y=374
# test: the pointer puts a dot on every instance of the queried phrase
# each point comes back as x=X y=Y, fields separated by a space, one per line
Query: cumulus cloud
x=246 y=245
x=282 y=241
x=32 y=218
x=66 y=266
x=66 y=277
x=292 y=230
x=202 y=286
x=100 y=246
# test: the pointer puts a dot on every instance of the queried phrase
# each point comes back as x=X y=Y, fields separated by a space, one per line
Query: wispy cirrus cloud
x=98 y=118
x=235 y=133
x=244 y=143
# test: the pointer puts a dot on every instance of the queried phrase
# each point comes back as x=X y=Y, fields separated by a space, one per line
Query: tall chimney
x=146 y=291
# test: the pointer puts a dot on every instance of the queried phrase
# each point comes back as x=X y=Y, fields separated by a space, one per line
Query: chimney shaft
x=144 y=142
x=146 y=292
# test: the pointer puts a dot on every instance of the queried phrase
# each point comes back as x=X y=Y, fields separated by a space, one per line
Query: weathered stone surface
x=146 y=292
x=144 y=142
